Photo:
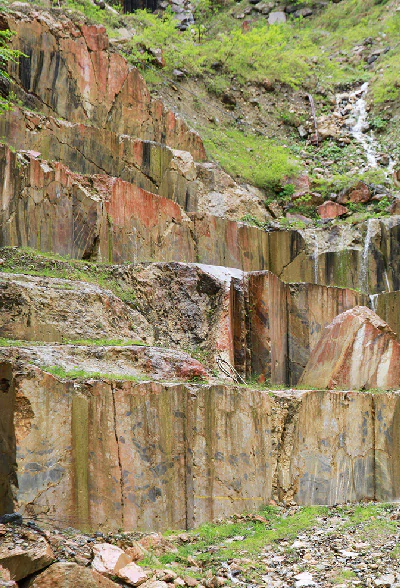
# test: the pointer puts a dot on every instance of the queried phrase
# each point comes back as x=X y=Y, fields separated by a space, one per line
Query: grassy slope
x=245 y=539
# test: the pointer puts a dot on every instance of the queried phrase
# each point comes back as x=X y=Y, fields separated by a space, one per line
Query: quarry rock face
x=164 y=297
x=69 y=72
x=175 y=456
x=40 y=309
x=357 y=350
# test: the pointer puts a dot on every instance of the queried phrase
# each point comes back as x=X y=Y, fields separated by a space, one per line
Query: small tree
x=203 y=10
x=7 y=55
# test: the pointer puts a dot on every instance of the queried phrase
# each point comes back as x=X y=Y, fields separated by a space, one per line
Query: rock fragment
x=24 y=561
x=109 y=559
x=356 y=351
x=70 y=575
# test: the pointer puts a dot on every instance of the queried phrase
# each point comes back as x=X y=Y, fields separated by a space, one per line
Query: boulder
x=303 y=13
x=358 y=350
x=68 y=575
x=330 y=210
x=276 y=18
x=264 y=7
x=109 y=559
x=133 y=574
x=24 y=561
x=356 y=193
x=136 y=551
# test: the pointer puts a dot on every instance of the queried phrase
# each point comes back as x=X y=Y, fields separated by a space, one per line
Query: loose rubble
x=342 y=546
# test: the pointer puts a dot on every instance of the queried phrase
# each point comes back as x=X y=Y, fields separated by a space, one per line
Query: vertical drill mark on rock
x=80 y=450
x=121 y=472
x=375 y=424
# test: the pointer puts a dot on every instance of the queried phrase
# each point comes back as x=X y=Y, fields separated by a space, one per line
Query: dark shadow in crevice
x=8 y=466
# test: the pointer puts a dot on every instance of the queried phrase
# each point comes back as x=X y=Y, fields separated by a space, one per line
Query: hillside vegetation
x=245 y=85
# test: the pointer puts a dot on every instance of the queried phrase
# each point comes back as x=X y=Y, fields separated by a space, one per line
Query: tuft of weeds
x=76 y=373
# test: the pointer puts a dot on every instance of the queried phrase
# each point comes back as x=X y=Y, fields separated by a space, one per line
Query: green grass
x=210 y=544
x=256 y=535
x=76 y=373
x=4 y=342
x=95 y=15
x=104 y=342
x=252 y=157
x=28 y=261
x=344 y=575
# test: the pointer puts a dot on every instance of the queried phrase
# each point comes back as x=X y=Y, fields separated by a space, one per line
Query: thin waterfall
x=315 y=258
x=364 y=278
x=373 y=298
x=359 y=127
x=386 y=278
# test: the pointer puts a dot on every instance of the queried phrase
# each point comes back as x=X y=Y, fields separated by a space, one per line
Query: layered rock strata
x=262 y=326
x=98 y=118
x=104 y=173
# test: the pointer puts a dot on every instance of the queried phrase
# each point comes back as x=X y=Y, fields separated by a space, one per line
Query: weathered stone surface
x=285 y=322
x=69 y=72
x=204 y=309
x=156 y=456
x=357 y=350
x=219 y=195
x=357 y=193
x=51 y=309
x=50 y=208
x=67 y=575
x=231 y=244
x=23 y=562
x=330 y=210
x=189 y=304
x=126 y=360
x=364 y=257
x=310 y=308
x=133 y=574
x=332 y=450
x=386 y=306
x=109 y=559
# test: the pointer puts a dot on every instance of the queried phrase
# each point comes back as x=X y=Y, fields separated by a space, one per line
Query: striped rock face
x=357 y=351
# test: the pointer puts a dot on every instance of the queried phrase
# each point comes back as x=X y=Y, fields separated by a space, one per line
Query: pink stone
x=133 y=574
x=109 y=559
x=330 y=209
x=357 y=350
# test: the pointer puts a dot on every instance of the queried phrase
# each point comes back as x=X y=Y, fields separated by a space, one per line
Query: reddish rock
x=136 y=551
x=330 y=210
x=5 y=578
x=356 y=193
x=301 y=184
x=70 y=575
x=71 y=69
x=22 y=562
x=133 y=574
x=357 y=350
